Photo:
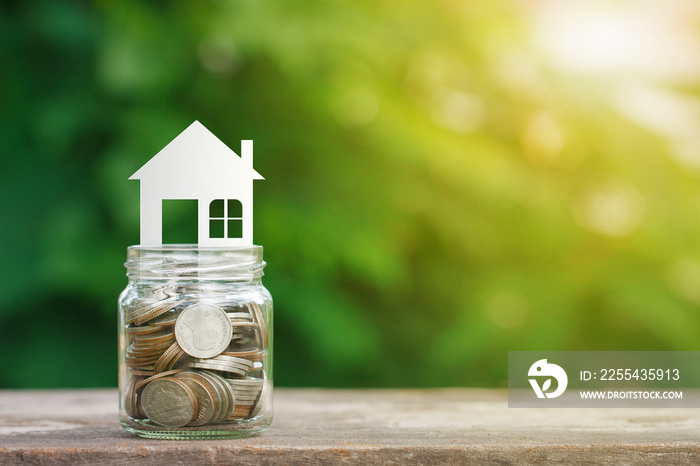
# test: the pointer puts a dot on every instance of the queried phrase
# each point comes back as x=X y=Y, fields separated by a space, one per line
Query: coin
x=156 y=377
x=166 y=357
x=153 y=338
x=140 y=361
x=241 y=398
x=139 y=344
x=220 y=403
x=261 y=322
x=242 y=411
x=266 y=392
x=130 y=397
x=247 y=381
x=175 y=360
x=217 y=367
x=143 y=330
x=246 y=403
x=143 y=314
x=236 y=361
x=146 y=370
x=245 y=390
x=203 y=330
x=212 y=363
x=169 y=402
x=227 y=394
x=165 y=320
x=243 y=354
x=237 y=323
x=206 y=398
x=193 y=360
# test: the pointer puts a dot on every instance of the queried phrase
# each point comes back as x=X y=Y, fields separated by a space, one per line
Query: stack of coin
x=145 y=350
x=169 y=402
x=229 y=364
x=131 y=397
x=191 y=362
x=142 y=312
x=188 y=399
x=216 y=400
x=248 y=392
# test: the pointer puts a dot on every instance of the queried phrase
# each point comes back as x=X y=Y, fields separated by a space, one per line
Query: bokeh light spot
x=612 y=208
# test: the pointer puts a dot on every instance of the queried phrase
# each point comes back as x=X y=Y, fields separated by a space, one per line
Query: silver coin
x=218 y=367
x=229 y=365
x=221 y=402
x=240 y=398
x=262 y=329
x=206 y=397
x=247 y=381
x=266 y=392
x=247 y=396
x=203 y=330
x=169 y=402
x=147 y=310
x=235 y=368
x=227 y=360
x=257 y=365
x=227 y=392
x=233 y=360
x=245 y=388
x=236 y=363
x=245 y=402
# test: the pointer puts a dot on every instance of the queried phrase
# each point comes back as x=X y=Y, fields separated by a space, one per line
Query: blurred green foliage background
x=445 y=181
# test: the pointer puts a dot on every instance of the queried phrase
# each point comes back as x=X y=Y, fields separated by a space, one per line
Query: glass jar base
x=227 y=431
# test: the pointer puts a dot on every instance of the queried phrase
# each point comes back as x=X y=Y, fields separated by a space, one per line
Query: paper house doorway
x=180 y=217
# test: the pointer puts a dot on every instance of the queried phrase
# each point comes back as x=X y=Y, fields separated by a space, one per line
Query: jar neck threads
x=191 y=262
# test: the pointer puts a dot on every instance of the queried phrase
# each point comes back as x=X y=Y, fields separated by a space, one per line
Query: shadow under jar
x=195 y=343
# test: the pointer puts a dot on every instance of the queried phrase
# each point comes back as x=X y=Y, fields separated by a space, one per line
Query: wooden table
x=438 y=426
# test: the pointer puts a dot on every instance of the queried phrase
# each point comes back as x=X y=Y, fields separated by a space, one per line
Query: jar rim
x=192 y=261
x=179 y=247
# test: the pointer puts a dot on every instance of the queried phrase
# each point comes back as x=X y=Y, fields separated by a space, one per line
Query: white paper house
x=197 y=165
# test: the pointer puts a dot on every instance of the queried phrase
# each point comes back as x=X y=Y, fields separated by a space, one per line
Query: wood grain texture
x=313 y=426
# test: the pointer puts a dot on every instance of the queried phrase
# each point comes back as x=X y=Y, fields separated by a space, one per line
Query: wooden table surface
x=315 y=426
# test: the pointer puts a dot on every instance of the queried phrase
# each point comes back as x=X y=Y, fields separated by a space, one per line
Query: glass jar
x=195 y=343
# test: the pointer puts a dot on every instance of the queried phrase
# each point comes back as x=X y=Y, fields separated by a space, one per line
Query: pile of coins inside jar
x=194 y=363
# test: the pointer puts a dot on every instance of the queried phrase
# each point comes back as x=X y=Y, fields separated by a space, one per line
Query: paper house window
x=225 y=218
